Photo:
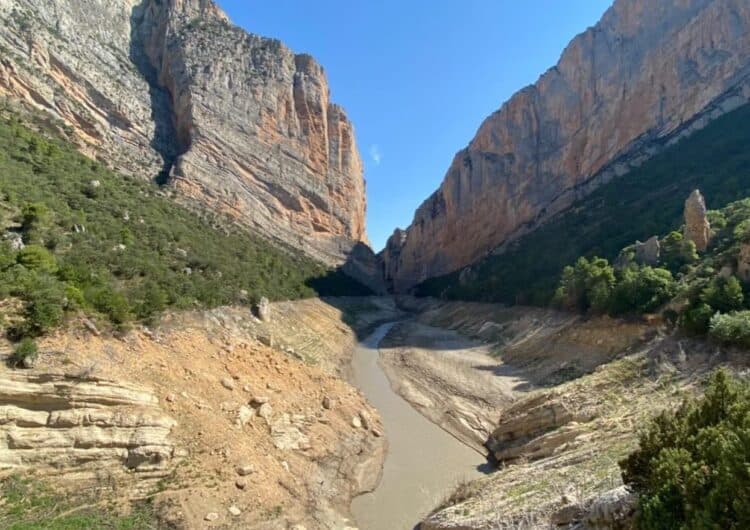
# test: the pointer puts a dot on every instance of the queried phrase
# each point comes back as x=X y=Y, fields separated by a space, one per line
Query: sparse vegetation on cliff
x=79 y=237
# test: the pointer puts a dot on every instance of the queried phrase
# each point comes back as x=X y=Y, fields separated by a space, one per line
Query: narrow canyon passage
x=424 y=463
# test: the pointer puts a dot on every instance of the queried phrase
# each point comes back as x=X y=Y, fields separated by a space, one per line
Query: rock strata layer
x=647 y=74
x=172 y=90
x=82 y=428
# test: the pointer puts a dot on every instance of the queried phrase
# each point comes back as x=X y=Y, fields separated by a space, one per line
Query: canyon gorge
x=259 y=366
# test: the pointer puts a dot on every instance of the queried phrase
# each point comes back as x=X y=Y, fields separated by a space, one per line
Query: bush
x=690 y=469
x=38 y=259
x=587 y=285
x=642 y=290
x=723 y=294
x=732 y=328
x=697 y=320
x=676 y=252
x=24 y=353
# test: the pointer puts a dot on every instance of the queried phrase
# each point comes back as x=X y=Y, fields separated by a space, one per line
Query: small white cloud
x=375 y=154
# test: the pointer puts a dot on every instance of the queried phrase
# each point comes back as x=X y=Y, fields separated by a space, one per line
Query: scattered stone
x=15 y=240
x=241 y=484
x=364 y=418
x=244 y=415
x=285 y=465
x=247 y=388
x=697 y=227
x=266 y=340
x=262 y=310
x=212 y=516
x=181 y=252
x=89 y=325
x=227 y=383
x=265 y=411
x=327 y=403
x=257 y=401
x=356 y=422
x=29 y=362
x=95 y=183
x=245 y=470
x=171 y=398
x=616 y=506
x=377 y=433
x=234 y=510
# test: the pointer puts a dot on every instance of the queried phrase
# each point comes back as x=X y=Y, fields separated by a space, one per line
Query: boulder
x=262 y=310
x=648 y=253
x=697 y=227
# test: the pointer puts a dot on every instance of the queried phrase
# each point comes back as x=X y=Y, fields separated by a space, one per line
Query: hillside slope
x=646 y=75
x=173 y=91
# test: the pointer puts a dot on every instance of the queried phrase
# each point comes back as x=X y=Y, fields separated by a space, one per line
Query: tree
x=642 y=289
x=732 y=328
x=37 y=259
x=676 y=252
x=586 y=285
x=723 y=294
x=690 y=470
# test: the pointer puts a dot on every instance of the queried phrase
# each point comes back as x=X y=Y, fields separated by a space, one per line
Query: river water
x=424 y=463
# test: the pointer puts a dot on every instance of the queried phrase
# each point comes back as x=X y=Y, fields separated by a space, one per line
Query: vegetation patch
x=77 y=237
x=690 y=469
x=31 y=505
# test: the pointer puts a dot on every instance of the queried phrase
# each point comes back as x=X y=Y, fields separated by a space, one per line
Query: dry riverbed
x=450 y=378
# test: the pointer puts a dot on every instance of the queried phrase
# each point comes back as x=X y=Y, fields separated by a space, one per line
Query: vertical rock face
x=170 y=89
x=697 y=227
x=649 y=73
x=647 y=253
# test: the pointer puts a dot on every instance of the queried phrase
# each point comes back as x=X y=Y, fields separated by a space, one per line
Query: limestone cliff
x=649 y=73
x=172 y=90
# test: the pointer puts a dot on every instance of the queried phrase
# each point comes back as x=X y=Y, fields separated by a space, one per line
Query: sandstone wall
x=646 y=74
x=171 y=90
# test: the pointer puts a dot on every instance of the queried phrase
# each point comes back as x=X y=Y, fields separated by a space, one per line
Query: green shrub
x=25 y=351
x=642 y=290
x=690 y=470
x=587 y=285
x=696 y=320
x=38 y=259
x=676 y=252
x=732 y=328
x=723 y=294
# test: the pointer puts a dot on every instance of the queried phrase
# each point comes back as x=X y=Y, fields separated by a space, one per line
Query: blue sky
x=417 y=77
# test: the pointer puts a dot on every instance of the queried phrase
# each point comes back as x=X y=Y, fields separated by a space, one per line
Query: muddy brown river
x=424 y=462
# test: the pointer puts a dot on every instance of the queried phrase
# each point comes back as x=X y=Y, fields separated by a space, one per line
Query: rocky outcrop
x=697 y=227
x=647 y=253
x=82 y=429
x=172 y=90
x=648 y=74
x=743 y=262
x=534 y=428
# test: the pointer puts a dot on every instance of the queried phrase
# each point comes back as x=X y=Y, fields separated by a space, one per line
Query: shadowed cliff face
x=648 y=73
x=171 y=90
